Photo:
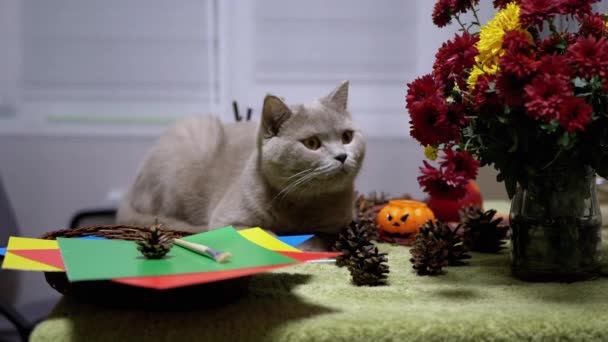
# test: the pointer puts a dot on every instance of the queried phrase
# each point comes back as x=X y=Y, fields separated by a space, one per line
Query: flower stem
x=477 y=22
x=552 y=26
x=463 y=28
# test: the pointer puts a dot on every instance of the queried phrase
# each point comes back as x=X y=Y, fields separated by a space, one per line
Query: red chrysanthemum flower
x=460 y=162
x=535 y=12
x=517 y=42
x=485 y=98
x=556 y=43
x=461 y=6
x=518 y=59
x=453 y=58
x=427 y=122
x=442 y=12
x=440 y=184
x=555 y=65
x=575 y=114
x=580 y=7
x=445 y=9
x=545 y=95
x=588 y=55
x=503 y=3
x=421 y=89
x=510 y=87
x=454 y=119
x=593 y=25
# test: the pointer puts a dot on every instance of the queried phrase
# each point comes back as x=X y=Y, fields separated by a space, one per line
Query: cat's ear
x=338 y=98
x=274 y=113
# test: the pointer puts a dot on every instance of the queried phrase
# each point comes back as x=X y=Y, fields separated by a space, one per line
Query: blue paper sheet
x=93 y=237
x=3 y=251
x=294 y=240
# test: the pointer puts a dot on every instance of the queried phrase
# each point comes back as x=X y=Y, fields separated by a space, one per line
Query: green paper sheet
x=108 y=259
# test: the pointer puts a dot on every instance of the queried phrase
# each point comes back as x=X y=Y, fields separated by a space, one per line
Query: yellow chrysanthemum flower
x=430 y=152
x=478 y=71
x=491 y=37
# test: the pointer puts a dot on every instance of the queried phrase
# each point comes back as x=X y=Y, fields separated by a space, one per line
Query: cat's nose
x=341 y=157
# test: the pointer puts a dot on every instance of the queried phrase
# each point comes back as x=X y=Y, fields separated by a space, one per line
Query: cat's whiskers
x=304 y=179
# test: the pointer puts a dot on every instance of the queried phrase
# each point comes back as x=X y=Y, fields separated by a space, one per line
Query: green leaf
x=567 y=141
x=551 y=126
x=515 y=143
x=511 y=186
x=491 y=87
x=596 y=83
x=579 y=82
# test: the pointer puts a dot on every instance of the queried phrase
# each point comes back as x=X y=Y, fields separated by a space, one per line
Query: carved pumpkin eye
x=347 y=137
x=404 y=217
x=389 y=217
x=312 y=143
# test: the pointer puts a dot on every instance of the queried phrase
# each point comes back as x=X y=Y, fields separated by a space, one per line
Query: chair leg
x=23 y=326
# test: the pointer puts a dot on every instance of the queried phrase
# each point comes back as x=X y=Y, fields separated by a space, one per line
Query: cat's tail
x=130 y=216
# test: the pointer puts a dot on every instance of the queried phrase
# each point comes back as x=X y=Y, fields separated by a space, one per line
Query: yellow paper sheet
x=29 y=243
x=266 y=240
x=16 y=262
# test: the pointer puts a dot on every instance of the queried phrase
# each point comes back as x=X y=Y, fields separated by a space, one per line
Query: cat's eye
x=347 y=137
x=312 y=143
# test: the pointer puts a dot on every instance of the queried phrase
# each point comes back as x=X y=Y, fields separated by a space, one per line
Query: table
x=316 y=302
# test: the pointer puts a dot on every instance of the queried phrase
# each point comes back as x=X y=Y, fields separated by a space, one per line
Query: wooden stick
x=216 y=255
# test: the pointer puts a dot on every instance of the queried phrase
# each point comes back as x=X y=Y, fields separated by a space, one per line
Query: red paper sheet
x=52 y=257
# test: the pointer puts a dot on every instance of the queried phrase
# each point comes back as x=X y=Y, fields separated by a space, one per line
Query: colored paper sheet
x=179 y=280
x=310 y=256
x=266 y=240
x=16 y=262
x=30 y=243
x=294 y=240
x=173 y=281
x=3 y=251
x=50 y=257
x=92 y=237
x=107 y=259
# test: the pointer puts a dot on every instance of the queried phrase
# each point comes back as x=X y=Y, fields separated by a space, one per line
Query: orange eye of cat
x=312 y=143
x=347 y=137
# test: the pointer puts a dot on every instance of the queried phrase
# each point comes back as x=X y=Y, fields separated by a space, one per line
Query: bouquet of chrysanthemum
x=523 y=94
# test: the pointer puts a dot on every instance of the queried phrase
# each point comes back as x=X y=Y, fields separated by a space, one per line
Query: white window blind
x=302 y=49
x=117 y=61
x=78 y=63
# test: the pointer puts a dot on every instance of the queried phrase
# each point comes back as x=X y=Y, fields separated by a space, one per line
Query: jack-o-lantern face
x=403 y=217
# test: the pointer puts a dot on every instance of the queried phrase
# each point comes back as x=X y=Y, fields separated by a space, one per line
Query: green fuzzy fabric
x=317 y=302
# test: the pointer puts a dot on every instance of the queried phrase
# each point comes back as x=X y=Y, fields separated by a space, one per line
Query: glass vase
x=556 y=228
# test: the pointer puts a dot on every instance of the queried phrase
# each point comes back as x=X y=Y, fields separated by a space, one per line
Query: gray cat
x=293 y=173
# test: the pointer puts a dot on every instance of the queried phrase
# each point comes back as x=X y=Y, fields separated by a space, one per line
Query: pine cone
x=482 y=233
x=429 y=253
x=457 y=250
x=154 y=244
x=352 y=239
x=368 y=267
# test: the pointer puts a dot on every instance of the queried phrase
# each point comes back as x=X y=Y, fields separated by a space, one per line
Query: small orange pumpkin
x=403 y=216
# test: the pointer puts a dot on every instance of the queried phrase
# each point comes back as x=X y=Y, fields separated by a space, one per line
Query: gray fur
x=203 y=174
